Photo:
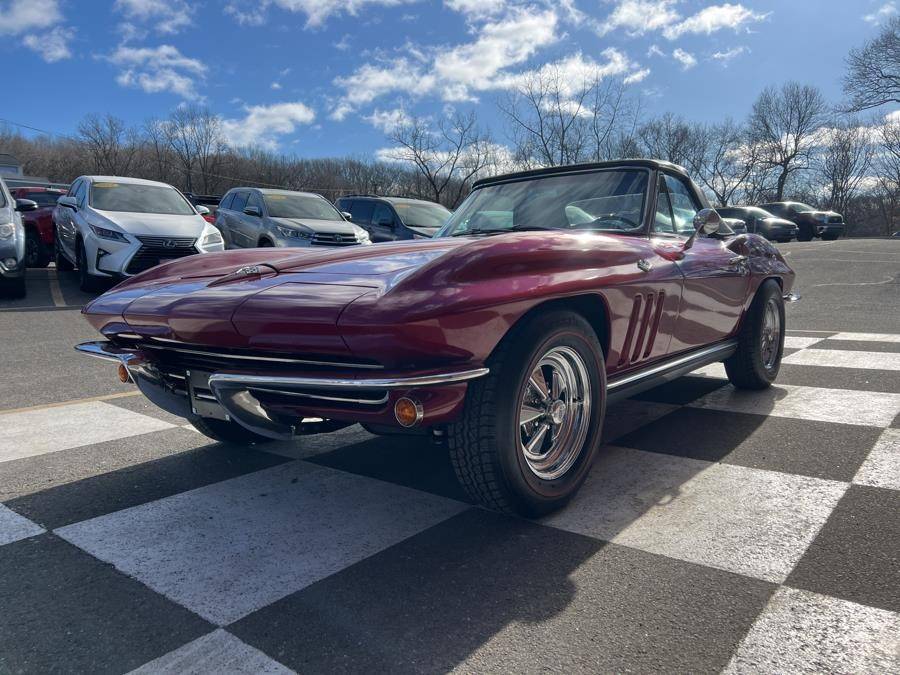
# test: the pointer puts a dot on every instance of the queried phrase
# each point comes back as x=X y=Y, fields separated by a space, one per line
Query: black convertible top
x=581 y=168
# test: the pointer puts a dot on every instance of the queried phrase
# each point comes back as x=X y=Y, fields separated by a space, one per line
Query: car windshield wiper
x=518 y=228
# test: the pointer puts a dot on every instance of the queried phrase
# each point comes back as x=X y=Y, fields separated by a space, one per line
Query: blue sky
x=327 y=77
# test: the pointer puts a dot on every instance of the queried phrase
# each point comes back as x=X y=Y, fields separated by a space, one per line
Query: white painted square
x=866 y=408
x=716 y=370
x=626 y=416
x=37 y=432
x=840 y=358
x=803 y=632
x=882 y=465
x=14 y=527
x=748 y=521
x=867 y=337
x=228 y=549
x=216 y=653
x=797 y=342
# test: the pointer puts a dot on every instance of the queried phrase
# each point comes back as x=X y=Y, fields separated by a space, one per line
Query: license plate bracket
x=203 y=403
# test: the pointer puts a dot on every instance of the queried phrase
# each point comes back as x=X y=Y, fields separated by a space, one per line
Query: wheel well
x=266 y=240
x=591 y=306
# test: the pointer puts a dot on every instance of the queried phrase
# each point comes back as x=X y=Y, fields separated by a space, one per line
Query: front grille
x=334 y=239
x=155 y=249
x=835 y=219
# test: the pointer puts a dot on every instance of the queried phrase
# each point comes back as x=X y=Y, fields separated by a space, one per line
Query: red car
x=545 y=296
x=38 y=224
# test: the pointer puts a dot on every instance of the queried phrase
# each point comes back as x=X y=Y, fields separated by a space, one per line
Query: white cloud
x=476 y=8
x=262 y=125
x=729 y=54
x=388 y=120
x=52 y=46
x=576 y=70
x=686 y=59
x=254 y=12
x=883 y=13
x=712 y=19
x=275 y=85
x=158 y=69
x=20 y=16
x=639 y=16
x=166 y=16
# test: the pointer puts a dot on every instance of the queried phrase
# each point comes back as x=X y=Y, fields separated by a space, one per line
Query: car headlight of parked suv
x=211 y=239
x=7 y=230
x=104 y=233
x=294 y=233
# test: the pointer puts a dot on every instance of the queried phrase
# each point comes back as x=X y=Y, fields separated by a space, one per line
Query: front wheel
x=531 y=427
x=830 y=237
x=757 y=360
x=62 y=262
x=227 y=432
x=87 y=281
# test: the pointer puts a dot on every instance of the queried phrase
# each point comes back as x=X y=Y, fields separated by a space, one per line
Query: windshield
x=801 y=208
x=757 y=212
x=136 y=198
x=300 y=206
x=422 y=215
x=44 y=198
x=608 y=201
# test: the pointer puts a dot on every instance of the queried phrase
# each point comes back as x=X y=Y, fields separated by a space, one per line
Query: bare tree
x=194 y=135
x=723 y=159
x=845 y=163
x=669 y=138
x=447 y=157
x=873 y=72
x=112 y=145
x=783 y=125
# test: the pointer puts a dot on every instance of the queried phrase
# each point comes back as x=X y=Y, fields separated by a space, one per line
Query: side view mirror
x=253 y=211
x=202 y=210
x=347 y=215
x=706 y=222
x=23 y=205
x=68 y=202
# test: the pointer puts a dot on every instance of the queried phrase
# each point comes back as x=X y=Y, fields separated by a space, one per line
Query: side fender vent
x=643 y=325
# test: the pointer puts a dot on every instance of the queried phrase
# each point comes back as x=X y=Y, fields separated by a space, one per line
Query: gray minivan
x=252 y=217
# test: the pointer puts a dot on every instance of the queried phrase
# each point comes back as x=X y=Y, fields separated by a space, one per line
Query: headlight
x=103 y=233
x=363 y=237
x=292 y=233
x=211 y=239
x=7 y=230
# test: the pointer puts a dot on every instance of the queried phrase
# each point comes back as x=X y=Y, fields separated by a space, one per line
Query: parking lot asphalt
x=718 y=531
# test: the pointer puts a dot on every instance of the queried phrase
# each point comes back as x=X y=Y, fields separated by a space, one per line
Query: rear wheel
x=757 y=360
x=227 y=432
x=265 y=243
x=35 y=251
x=531 y=427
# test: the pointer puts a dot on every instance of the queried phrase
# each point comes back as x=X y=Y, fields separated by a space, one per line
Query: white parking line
x=838 y=358
x=55 y=289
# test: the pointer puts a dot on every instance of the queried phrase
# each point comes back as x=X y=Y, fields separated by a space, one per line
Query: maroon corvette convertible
x=546 y=295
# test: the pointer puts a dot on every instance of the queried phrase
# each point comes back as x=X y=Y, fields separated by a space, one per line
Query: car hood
x=779 y=222
x=150 y=223
x=324 y=226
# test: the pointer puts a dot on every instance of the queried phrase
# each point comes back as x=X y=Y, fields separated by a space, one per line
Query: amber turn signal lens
x=407 y=411
x=123 y=373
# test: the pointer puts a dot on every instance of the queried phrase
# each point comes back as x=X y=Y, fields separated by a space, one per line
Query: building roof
x=8 y=159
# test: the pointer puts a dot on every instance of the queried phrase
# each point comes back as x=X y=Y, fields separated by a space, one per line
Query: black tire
x=265 y=243
x=227 y=432
x=13 y=288
x=486 y=444
x=63 y=264
x=805 y=233
x=830 y=237
x=35 y=251
x=87 y=281
x=752 y=366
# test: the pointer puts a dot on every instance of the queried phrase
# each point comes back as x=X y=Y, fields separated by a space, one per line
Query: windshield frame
x=646 y=207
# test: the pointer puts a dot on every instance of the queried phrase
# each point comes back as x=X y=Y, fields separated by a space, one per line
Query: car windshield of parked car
x=608 y=201
x=422 y=215
x=137 y=198
x=43 y=198
x=300 y=206
x=801 y=208
x=757 y=212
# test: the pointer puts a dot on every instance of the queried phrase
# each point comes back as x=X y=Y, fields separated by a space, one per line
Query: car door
x=222 y=218
x=361 y=214
x=68 y=226
x=383 y=223
x=235 y=220
x=716 y=279
x=252 y=226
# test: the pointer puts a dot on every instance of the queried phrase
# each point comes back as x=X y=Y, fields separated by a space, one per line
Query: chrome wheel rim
x=771 y=335
x=554 y=413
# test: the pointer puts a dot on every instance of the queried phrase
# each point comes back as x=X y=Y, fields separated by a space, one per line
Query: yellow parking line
x=55 y=289
x=89 y=399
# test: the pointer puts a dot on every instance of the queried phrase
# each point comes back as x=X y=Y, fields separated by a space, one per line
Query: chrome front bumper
x=235 y=392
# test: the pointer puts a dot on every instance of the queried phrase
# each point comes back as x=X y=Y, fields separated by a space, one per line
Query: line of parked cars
x=111 y=227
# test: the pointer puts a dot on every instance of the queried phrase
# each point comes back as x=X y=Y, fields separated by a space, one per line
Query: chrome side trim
x=704 y=355
x=322 y=397
x=265 y=359
x=104 y=350
x=298 y=383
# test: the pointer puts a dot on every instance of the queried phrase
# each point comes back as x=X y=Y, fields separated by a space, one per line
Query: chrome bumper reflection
x=235 y=392
x=791 y=297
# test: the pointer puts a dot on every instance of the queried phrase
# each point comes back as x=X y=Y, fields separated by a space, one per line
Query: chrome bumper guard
x=234 y=392
x=791 y=297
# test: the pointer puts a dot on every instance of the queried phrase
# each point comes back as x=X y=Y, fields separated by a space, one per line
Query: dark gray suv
x=394 y=218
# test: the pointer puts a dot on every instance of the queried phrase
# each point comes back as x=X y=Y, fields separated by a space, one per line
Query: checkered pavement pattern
x=718 y=531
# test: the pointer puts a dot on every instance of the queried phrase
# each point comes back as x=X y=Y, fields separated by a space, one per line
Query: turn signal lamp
x=408 y=412
x=123 y=374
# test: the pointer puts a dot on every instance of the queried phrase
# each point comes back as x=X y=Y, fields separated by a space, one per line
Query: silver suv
x=252 y=217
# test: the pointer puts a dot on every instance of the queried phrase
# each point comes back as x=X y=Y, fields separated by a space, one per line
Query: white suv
x=111 y=227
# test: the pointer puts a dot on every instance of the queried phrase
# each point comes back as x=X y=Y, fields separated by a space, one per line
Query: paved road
x=718 y=530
